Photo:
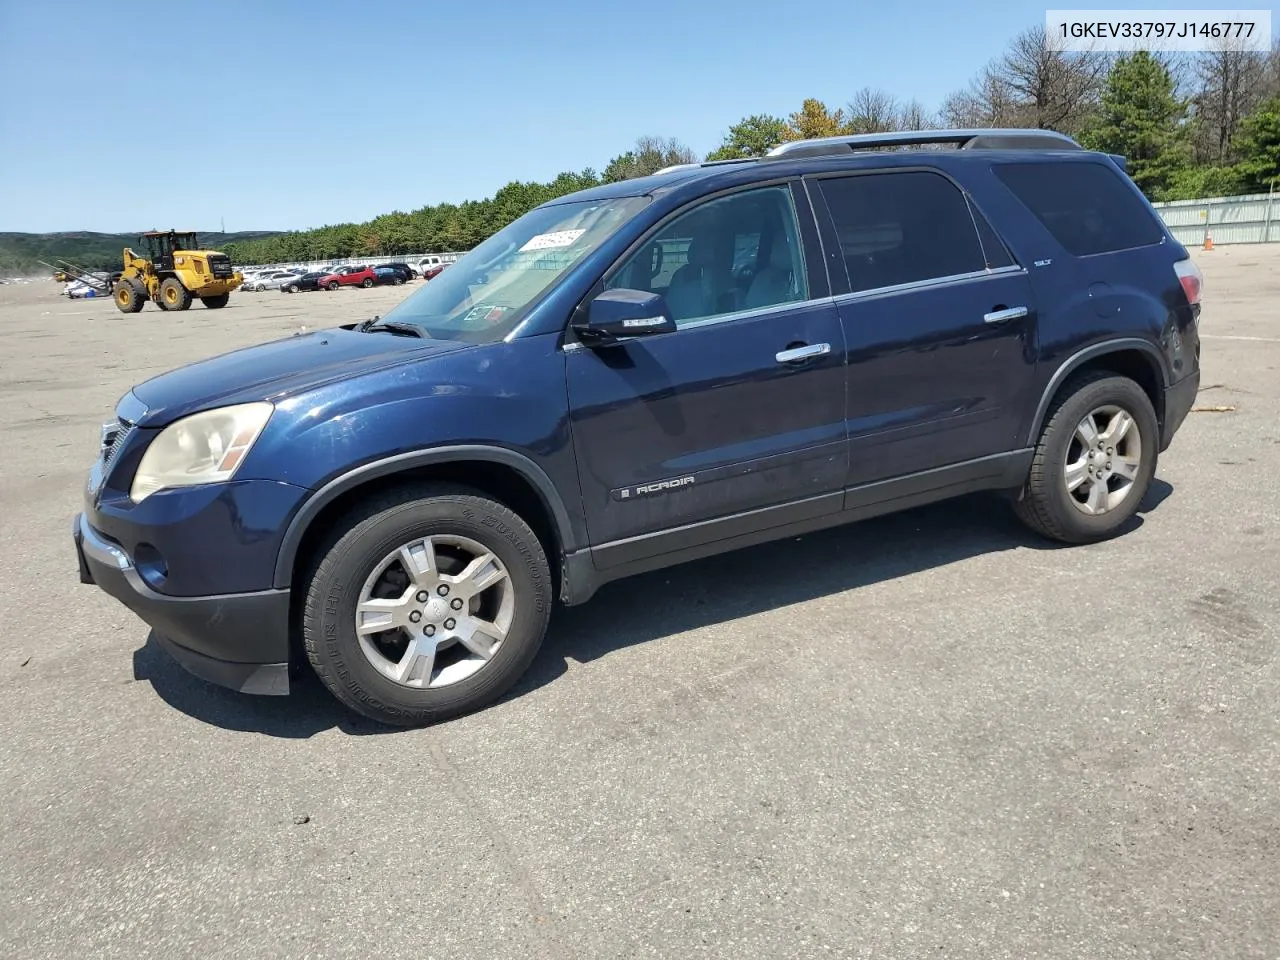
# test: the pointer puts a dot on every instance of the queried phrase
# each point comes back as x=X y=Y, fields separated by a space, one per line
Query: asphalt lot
x=929 y=735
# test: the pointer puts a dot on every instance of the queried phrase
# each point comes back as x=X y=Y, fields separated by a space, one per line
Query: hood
x=279 y=369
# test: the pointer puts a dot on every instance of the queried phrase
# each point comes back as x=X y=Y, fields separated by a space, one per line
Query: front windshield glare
x=483 y=296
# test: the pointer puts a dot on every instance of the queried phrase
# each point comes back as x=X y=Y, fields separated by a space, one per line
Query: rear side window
x=897 y=228
x=1086 y=206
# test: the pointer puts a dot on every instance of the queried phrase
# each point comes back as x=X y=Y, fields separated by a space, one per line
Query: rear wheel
x=1094 y=461
x=129 y=296
x=366 y=283
x=216 y=303
x=426 y=604
x=173 y=295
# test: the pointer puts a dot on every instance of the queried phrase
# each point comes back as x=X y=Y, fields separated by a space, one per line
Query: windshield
x=484 y=295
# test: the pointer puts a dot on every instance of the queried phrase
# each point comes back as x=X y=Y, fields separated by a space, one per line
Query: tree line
x=1188 y=125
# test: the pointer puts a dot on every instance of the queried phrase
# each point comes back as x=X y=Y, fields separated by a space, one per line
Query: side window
x=740 y=252
x=1086 y=206
x=902 y=228
x=996 y=253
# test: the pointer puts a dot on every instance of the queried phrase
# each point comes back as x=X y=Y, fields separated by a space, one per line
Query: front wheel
x=366 y=283
x=292 y=288
x=425 y=604
x=173 y=295
x=216 y=302
x=1094 y=460
x=129 y=296
x=333 y=285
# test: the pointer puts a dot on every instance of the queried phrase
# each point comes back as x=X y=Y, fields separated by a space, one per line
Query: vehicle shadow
x=755 y=579
x=692 y=595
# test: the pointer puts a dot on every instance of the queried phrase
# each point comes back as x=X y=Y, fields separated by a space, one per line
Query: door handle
x=1005 y=314
x=806 y=352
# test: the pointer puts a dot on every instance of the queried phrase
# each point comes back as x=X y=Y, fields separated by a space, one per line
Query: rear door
x=938 y=318
x=740 y=410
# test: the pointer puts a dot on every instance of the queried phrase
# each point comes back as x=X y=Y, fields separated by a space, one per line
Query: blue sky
x=121 y=117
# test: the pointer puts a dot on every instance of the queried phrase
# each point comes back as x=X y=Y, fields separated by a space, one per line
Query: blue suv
x=638 y=375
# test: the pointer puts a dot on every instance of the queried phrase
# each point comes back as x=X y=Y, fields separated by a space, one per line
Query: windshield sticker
x=549 y=241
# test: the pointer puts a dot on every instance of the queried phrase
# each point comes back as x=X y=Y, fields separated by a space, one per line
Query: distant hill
x=21 y=253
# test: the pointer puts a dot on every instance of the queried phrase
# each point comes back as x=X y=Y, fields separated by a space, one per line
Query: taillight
x=1191 y=278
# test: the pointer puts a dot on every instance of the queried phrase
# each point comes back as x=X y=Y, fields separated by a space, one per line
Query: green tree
x=1258 y=145
x=445 y=226
x=1141 y=118
x=752 y=136
x=1192 y=183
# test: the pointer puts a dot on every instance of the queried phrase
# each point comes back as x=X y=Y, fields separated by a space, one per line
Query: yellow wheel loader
x=173 y=272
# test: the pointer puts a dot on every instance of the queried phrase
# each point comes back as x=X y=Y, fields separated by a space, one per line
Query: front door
x=939 y=322
x=738 y=413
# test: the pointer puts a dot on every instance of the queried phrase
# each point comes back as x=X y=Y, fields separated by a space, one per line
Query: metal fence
x=1247 y=219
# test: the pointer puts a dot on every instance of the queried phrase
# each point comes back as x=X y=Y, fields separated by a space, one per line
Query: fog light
x=151 y=565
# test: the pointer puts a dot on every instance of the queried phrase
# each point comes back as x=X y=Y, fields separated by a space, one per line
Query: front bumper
x=238 y=640
x=216 y=288
x=1178 y=401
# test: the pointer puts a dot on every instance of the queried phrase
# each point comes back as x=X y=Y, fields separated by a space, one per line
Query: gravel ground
x=925 y=735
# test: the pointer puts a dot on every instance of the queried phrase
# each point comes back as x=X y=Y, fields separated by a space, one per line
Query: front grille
x=114 y=437
x=220 y=266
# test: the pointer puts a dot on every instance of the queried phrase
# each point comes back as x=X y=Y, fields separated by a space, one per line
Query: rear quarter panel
x=1086 y=301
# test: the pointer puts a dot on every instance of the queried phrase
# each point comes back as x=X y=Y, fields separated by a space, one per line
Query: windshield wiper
x=392 y=326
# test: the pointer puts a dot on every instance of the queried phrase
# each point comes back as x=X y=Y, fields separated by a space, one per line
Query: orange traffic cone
x=1208 y=239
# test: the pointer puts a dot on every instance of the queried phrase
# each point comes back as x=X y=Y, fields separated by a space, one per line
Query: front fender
x=502 y=403
x=388 y=466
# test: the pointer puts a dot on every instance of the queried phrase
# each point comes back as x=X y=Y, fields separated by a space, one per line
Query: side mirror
x=617 y=314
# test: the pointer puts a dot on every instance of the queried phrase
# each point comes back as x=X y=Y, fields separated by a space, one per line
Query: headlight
x=202 y=448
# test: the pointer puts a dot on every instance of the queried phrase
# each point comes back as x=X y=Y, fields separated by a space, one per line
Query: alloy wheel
x=1103 y=460
x=434 y=611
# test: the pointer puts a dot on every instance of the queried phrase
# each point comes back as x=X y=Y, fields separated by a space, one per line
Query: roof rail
x=676 y=166
x=972 y=139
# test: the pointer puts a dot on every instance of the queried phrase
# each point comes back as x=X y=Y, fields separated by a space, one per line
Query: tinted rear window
x=1086 y=206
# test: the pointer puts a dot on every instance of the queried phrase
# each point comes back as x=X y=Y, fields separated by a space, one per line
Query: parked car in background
x=273 y=280
x=386 y=276
x=308 y=281
x=352 y=275
x=406 y=271
x=431 y=266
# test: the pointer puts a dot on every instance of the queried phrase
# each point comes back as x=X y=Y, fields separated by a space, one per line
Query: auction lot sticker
x=550 y=241
x=1192 y=31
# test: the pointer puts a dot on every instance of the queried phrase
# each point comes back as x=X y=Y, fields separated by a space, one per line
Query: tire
x=366 y=283
x=1046 y=504
x=348 y=562
x=216 y=303
x=333 y=284
x=399 y=281
x=292 y=288
x=173 y=295
x=129 y=296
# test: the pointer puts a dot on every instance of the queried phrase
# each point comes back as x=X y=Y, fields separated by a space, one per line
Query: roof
x=825 y=153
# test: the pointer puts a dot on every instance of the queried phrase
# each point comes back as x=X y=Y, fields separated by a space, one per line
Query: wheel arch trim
x=1083 y=356
x=404 y=462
